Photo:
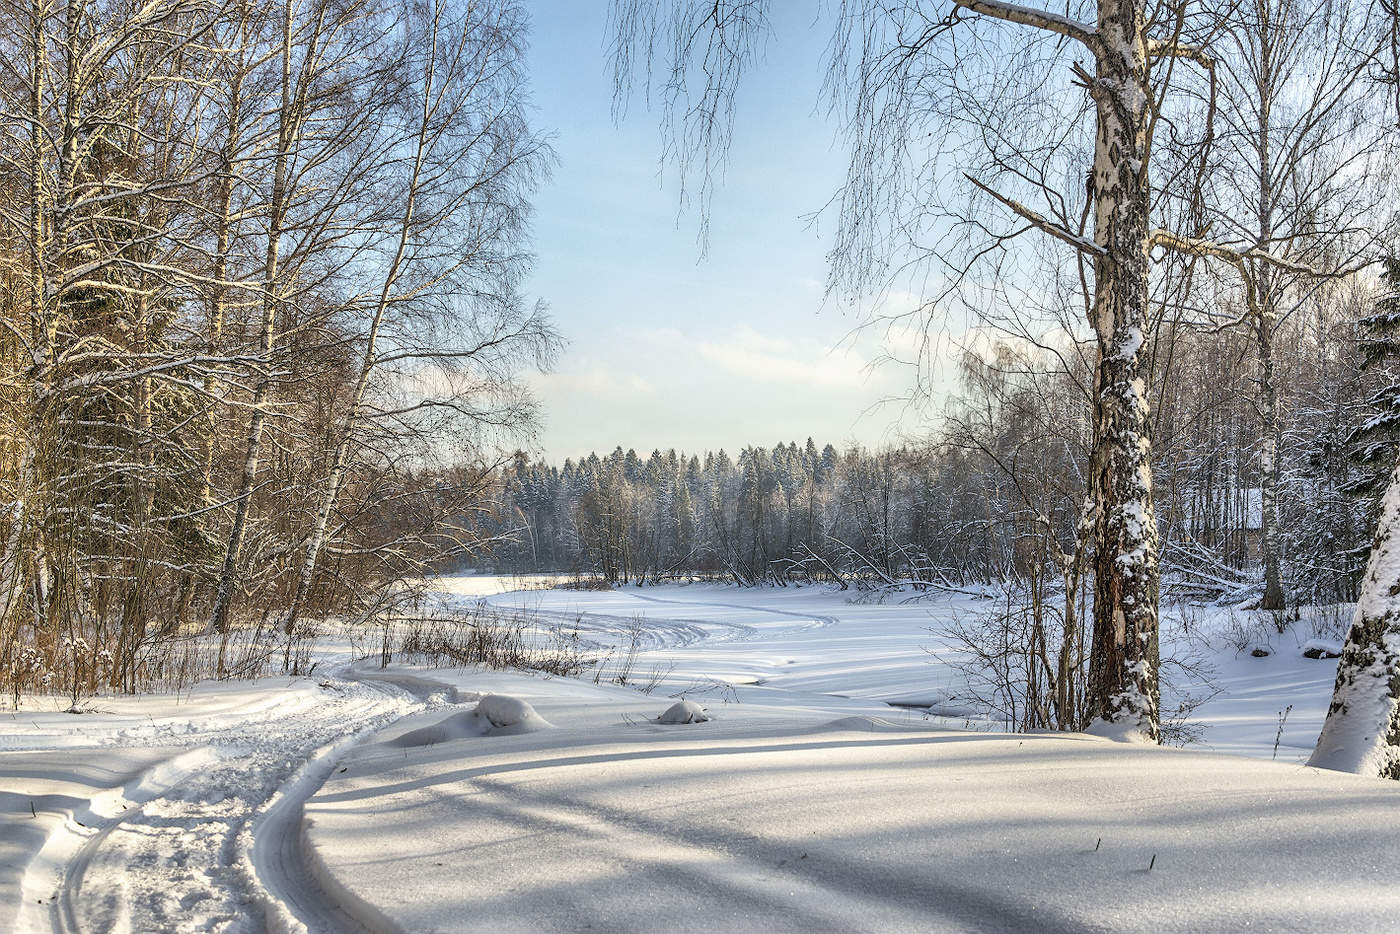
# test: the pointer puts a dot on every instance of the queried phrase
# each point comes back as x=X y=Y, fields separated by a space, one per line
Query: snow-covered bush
x=1242 y=631
x=492 y=638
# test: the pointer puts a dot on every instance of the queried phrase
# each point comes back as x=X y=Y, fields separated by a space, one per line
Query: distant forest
x=996 y=492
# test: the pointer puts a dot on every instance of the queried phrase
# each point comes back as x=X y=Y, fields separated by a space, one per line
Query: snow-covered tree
x=1362 y=731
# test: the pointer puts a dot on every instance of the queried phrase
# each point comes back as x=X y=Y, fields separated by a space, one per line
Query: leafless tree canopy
x=262 y=321
x=1122 y=136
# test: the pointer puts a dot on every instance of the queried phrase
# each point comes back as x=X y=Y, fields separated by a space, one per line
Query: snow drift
x=493 y=715
x=684 y=712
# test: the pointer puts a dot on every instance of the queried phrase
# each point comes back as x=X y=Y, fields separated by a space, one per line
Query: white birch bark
x=13 y=570
x=1124 y=691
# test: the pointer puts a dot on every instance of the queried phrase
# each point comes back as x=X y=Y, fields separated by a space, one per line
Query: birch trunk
x=1123 y=693
x=223 y=242
x=288 y=118
x=1265 y=321
x=1270 y=547
x=1123 y=686
x=13 y=570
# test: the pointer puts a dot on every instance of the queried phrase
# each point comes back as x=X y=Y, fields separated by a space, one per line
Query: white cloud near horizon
x=803 y=362
x=695 y=390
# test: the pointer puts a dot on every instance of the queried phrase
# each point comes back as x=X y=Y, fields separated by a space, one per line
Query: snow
x=51 y=805
x=727 y=642
x=493 y=715
x=151 y=805
x=781 y=819
x=724 y=643
x=1124 y=729
x=846 y=779
x=685 y=711
x=509 y=713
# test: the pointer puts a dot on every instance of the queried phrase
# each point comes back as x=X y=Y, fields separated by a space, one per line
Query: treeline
x=259 y=274
x=996 y=493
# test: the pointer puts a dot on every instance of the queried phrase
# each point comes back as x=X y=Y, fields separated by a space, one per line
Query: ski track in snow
x=817 y=621
x=599 y=630
x=63 y=907
x=604 y=630
x=213 y=838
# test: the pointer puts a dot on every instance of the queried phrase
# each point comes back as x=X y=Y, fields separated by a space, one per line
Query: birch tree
x=326 y=63
x=96 y=120
x=1298 y=179
x=466 y=162
x=213 y=235
x=883 y=58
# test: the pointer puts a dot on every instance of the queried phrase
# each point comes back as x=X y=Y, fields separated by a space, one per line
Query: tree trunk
x=1362 y=731
x=17 y=558
x=1265 y=321
x=1270 y=549
x=218 y=298
x=289 y=118
x=1124 y=659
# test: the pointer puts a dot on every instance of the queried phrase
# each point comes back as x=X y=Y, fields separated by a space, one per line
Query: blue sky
x=667 y=349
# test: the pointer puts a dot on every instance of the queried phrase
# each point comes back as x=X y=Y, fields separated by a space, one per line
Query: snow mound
x=684 y=712
x=506 y=713
x=494 y=715
x=456 y=726
x=1322 y=648
x=1118 y=731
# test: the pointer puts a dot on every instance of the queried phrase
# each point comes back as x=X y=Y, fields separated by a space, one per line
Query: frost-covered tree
x=1362 y=731
x=1297 y=191
x=466 y=162
x=241 y=324
x=900 y=74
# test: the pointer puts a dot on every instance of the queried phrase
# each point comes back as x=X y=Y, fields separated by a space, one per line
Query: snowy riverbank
x=808 y=802
x=800 y=818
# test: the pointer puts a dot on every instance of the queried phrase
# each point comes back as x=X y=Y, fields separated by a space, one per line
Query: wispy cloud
x=588 y=377
x=703 y=388
x=768 y=359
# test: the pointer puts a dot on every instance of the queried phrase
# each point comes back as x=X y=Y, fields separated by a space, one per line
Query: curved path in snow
x=213 y=835
x=598 y=629
x=207 y=834
x=602 y=630
x=286 y=867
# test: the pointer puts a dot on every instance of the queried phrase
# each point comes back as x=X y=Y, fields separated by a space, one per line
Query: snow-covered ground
x=178 y=812
x=799 y=819
x=754 y=644
x=407 y=800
